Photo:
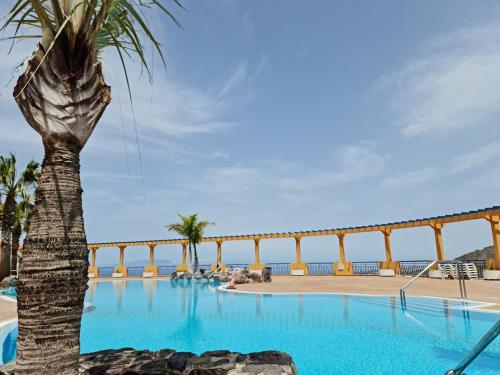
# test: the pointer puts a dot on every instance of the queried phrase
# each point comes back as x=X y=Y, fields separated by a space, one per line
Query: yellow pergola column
x=183 y=267
x=151 y=269
x=122 y=256
x=298 y=268
x=342 y=267
x=218 y=266
x=388 y=264
x=387 y=243
x=494 y=263
x=257 y=266
x=438 y=237
x=93 y=270
x=297 y=249
x=121 y=269
x=257 y=250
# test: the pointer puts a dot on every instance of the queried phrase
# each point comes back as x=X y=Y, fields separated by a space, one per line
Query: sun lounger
x=470 y=271
x=448 y=270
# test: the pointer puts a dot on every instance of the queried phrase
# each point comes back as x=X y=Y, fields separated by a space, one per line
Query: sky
x=276 y=116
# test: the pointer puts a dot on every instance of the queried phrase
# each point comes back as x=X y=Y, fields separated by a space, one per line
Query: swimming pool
x=325 y=334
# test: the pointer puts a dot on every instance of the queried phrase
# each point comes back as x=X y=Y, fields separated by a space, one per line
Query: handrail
x=217 y=269
x=402 y=293
x=480 y=346
x=461 y=272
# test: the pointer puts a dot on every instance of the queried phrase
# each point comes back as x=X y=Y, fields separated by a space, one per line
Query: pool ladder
x=460 y=277
x=402 y=291
x=480 y=346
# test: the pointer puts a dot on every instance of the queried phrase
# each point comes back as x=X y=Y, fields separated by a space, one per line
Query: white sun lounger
x=470 y=270
x=448 y=270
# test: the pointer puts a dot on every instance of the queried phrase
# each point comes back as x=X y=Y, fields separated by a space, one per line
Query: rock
x=267 y=273
x=128 y=361
x=256 y=278
x=8 y=282
x=239 y=278
x=197 y=275
x=178 y=360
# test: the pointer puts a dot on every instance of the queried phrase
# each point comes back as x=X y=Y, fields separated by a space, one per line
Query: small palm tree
x=12 y=186
x=22 y=217
x=191 y=229
x=62 y=95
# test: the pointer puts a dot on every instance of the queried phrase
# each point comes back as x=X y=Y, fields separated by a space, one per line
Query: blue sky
x=287 y=115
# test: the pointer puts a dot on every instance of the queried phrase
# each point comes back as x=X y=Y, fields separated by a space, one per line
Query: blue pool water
x=325 y=334
x=10 y=292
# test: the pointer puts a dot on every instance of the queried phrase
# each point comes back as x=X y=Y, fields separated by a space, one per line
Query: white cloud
x=175 y=110
x=408 y=179
x=355 y=162
x=475 y=158
x=239 y=75
x=288 y=180
x=456 y=85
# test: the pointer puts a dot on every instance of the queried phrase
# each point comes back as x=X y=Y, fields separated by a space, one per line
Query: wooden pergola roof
x=484 y=213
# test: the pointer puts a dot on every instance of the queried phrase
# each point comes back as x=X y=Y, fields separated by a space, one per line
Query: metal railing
x=369 y=268
x=279 y=268
x=480 y=346
x=320 y=268
x=166 y=270
x=402 y=291
x=412 y=267
x=135 y=271
x=106 y=271
x=365 y=268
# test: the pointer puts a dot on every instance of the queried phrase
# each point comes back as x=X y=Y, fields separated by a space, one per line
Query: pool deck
x=477 y=290
x=8 y=309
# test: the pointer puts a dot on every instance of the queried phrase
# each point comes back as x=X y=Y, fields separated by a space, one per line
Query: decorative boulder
x=267 y=273
x=8 y=282
x=256 y=278
x=169 y=362
x=239 y=278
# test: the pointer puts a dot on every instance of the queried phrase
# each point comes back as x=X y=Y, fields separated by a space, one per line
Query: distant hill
x=486 y=253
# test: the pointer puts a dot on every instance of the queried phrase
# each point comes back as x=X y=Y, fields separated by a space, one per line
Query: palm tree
x=11 y=187
x=191 y=229
x=62 y=95
x=198 y=230
x=22 y=217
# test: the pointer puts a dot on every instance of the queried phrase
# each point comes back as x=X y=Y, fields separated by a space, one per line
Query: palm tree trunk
x=196 y=262
x=63 y=103
x=53 y=272
x=190 y=254
x=8 y=219
x=16 y=236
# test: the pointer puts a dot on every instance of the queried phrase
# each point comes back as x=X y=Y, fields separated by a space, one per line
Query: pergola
x=341 y=267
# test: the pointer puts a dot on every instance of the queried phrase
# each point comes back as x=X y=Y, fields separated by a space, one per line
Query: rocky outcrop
x=240 y=276
x=8 y=282
x=143 y=362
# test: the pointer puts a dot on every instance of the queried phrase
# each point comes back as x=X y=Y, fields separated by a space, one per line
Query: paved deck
x=8 y=309
x=477 y=290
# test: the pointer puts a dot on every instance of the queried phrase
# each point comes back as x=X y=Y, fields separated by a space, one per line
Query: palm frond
x=120 y=24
